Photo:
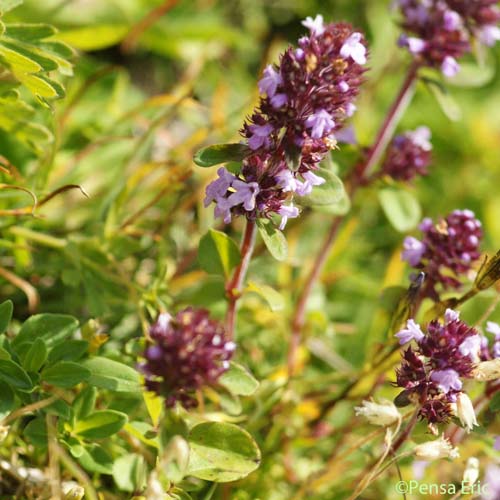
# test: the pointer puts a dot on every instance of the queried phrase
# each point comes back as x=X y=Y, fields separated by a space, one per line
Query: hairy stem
x=235 y=284
x=374 y=155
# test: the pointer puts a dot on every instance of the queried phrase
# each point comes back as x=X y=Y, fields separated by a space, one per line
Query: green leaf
x=270 y=295
x=495 y=402
x=59 y=408
x=69 y=350
x=473 y=75
x=14 y=375
x=221 y=153
x=35 y=357
x=443 y=97
x=6 y=309
x=65 y=374
x=94 y=37
x=239 y=381
x=93 y=458
x=84 y=403
x=100 y=424
x=401 y=208
x=218 y=253
x=6 y=400
x=112 y=375
x=129 y=472
x=221 y=452
x=52 y=328
x=273 y=238
x=331 y=192
x=36 y=431
x=30 y=32
x=45 y=63
x=18 y=63
x=7 y=5
x=42 y=86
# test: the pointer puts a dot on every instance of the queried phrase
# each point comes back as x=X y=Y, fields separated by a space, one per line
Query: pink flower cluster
x=439 y=32
x=304 y=101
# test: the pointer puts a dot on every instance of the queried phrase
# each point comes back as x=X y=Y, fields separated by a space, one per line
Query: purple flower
x=218 y=188
x=316 y=25
x=431 y=370
x=411 y=332
x=304 y=100
x=496 y=444
x=287 y=181
x=494 y=328
x=270 y=81
x=408 y=155
x=450 y=315
x=491 y=485
x=450 y=66
x=343 y=86
x=421 y=137
x=354 y=48
x=321 y=123
x=223 y=210
x=488 y=35
x=415 y=45
x=245 y=194
x=451 y=248
x=413 y=250
x=471 y=346
x=260 y=135
x=347 y=135
x=305 y=188
x=188 y=351
x=279 y=100
x=287 y=212
x=447 y=380
x=451 y=20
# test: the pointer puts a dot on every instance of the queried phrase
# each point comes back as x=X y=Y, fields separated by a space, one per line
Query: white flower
x=72 y=490
x=487 y=370
x=383 y=413
x=465 y=412
x=353 y=48
x=471 y=473
x=433 y=450
x=316 y=25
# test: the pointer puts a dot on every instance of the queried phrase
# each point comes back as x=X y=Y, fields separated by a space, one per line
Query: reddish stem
x=234 y=285
x=357 y=179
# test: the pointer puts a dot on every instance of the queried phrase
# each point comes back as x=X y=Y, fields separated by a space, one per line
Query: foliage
x=110 y=131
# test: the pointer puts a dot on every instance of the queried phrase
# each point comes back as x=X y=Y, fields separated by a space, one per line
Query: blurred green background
x=141 y=102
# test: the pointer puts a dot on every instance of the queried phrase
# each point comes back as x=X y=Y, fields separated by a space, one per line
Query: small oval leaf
x=65 y=374
x=218 y=253
x=239 y=381
x=100 y=424
x=274 y=239
x=401 y=208
x=221 y=153
x=221 y=452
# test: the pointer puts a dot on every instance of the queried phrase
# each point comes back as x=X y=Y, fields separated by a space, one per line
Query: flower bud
x=72 y=490
x=489 y=273
x=155 y=490
x=471 y=473
x=175 y=459
x=383 y=413
x=487 y=370
x=465 y=412
x=433 y=450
